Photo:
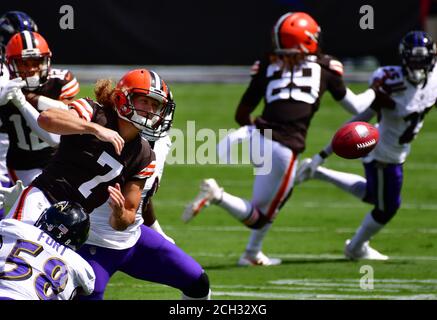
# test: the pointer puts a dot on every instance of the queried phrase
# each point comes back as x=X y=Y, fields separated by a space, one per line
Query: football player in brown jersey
x=102 y=163
x=292 y=80
x=28 y=57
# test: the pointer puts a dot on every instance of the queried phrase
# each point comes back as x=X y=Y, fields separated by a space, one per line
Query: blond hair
x=105 y=92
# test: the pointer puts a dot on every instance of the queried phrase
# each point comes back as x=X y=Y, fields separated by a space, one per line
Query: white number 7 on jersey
x=116 y=167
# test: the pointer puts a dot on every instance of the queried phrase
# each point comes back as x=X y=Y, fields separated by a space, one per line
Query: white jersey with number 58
x=33 y=266
x=399 y=126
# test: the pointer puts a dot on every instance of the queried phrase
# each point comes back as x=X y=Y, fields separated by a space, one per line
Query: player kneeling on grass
x=38 y=262
x=406 y=94
x=292 y=80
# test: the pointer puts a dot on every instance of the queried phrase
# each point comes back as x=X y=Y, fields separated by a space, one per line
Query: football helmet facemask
x=28 y=56
x=153 y=124
x=296 y=32
x=418 y=55
x=66 y=222
x=13 y=22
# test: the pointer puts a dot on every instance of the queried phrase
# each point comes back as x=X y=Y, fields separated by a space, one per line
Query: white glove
x=17 y=97
x=155 y=226
x=308 y=168
x=7 y=91
x=8 y=196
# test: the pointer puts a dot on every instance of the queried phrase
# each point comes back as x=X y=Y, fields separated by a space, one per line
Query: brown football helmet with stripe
x=153 y=125
x=28 y=56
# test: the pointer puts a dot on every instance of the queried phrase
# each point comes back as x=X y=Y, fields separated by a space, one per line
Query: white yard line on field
x=297 y=256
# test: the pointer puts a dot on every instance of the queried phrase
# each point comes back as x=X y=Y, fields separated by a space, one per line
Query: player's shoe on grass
x=209 y=192
x=259 y=259
x=365 y=252
x=303 y=172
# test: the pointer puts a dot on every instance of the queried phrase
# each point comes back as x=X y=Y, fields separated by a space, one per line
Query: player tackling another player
x=410 y=91
x=291 y=79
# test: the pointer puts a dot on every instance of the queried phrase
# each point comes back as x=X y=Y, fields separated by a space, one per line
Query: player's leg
x=105 y=262
x=270 y=192
x=351 y=183
x=157 y=260
x=384 y=184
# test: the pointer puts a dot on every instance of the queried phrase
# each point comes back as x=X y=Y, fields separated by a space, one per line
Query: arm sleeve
x=357 y=103
x=31 y=115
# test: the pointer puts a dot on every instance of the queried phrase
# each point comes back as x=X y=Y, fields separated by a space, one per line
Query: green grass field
x=309 y=232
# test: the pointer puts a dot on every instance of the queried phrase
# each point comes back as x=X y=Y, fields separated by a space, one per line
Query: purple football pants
x=152 y=258
x=384 y=185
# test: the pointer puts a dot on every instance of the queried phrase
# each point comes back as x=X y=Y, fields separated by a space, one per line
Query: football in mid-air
x=355 y=140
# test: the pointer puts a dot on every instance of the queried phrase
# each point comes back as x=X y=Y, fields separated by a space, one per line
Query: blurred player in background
x=38 y=262
x=406 y=94
x=292 y=80
x=28 y=58
x=10 y=23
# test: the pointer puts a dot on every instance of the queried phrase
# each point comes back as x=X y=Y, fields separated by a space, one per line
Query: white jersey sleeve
x=33 y=266
x=399 y=126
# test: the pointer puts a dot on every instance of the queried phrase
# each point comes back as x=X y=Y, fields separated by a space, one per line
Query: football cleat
x=209 y=192
x=259 y=259
x=303 y=172
x=365 y=252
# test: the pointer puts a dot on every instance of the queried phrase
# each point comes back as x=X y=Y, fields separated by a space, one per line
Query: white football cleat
x=259 y=259
x=209 y=192
x=303 y=172
x=365 y=252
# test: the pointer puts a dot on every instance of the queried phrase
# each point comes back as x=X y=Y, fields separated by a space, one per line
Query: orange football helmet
x=28 y=56
x=153 y=125
x=296 y=32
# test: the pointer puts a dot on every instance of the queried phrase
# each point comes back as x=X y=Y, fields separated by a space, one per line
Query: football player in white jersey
x=291 y=80
x=39 y=262
x=407 y=94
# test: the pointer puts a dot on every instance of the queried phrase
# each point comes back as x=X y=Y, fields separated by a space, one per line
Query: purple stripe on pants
x=152 y=258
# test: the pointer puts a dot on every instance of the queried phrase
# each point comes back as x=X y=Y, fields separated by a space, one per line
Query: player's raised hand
x=7 y=92
x=108 y=135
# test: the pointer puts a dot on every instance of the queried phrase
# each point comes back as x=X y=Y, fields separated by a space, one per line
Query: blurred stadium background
x=204 y=49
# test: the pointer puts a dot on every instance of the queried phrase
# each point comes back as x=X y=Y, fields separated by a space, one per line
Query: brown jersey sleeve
x=333 y=75
x=84 y=107
x=145 y=163
x=253 y=94
x=70 y=86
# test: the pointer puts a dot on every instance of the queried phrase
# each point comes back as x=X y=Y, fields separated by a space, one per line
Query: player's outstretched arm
x=66 y=122
x=357 y=103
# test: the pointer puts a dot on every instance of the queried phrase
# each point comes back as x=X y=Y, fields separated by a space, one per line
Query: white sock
x=352 y=183
x=369 y=227
x=239 y=208
x=256 y=239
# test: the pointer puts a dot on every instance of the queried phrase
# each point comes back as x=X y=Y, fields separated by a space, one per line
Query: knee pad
x=198 y=289
x=260 y=222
